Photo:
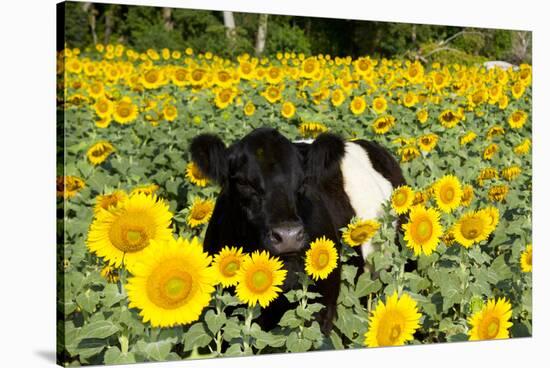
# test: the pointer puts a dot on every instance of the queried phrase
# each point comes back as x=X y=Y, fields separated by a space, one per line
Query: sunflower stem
x=246 y=336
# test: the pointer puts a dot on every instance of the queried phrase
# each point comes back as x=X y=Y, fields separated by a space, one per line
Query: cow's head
x=262 y=175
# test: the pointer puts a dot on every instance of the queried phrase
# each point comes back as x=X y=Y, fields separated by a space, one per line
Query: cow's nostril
x=275 y=237
x=300 y=235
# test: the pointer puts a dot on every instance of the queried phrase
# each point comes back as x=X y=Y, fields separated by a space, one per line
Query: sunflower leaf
x=196 y=337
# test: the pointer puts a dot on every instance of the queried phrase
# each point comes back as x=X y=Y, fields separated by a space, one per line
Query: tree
x=261 y=35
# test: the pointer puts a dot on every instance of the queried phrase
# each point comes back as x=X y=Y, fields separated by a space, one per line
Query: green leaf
x=290 y=319
x=157 y=351
x=88 y=300
x=98 y=330
x=196 y=336
x=294 y=344
x=234 y=350
x=114 y=356
x=111 y=295
x=214 y=321
x=263 y=339
x=366 y=286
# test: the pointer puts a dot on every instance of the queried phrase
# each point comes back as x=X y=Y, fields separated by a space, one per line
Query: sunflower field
x=134 y=284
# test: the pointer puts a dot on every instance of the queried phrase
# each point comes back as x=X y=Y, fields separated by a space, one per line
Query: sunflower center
x=124 y=111
x=493 y=327
x=230 y=267
x=424 y=229
x=359 y=234
x=200 y=212
x=131 y=232
x=400 y=198
x=471 y=228
x=390 y=329
x=260 y=281
x=322 y=259
x=448 y=194
x=169 y=287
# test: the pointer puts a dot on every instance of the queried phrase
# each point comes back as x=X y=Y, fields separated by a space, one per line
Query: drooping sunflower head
x=467 y=195
x=226 y=264
x=195 y=175
x=427 y=142
x=492 y=321
x=109 y=201
x=125 y=231
x=321 y=258
x=423 y=231
x=200 y=212
x=99 y=152
x=402 y=199
x=259 y=279
x=68 y=186
x=473 y=227
x=526 y=259
x=312 y=129
x=493 y=216
x=172 y=283
x=360 y=231
x=448 y=193
x=467 y=138
x=148 y=189
x=498 y=193
x=394 y=322
x=383 y=124
x=110 y=274
x=511 y=173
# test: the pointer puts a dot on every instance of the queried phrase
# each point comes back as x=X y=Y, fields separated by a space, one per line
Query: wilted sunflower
x=494 y=131
x=467 y=195
x=259 y=279
x=448 y=193
x=110 y=274
x=492 y=321
x=490 y=151
x=486 y=173
x=473 y=227
x=394 y=322
x=321 y=258
x=493 y=215
x=427 y=142
x=200 y=212
x=409 y=153
x=402 y=199
x=523 y=147
x=448 y=118
x=195 y=175
x=148 y=189
x=68 y=186
x=312 y=129
x=497 y=193
x=383 y=124
x=526 y=259
x=226 y=264
x=125 y=111
x=99 y=152
x=172 y=283
x=124 y=232
x=360 y=231
x=423 y=230
x=511 y=173
x=108 y=201
x=357 y=105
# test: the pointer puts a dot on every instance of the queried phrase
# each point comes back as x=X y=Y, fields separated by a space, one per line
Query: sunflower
x=410 y=99
x=272 y=93
x=423 y=230
x=467 y=195
x=312 y=129
x=497 y=193
x=473 y=227
x=180 y=76
x=526 y=259
x=409 y=153
x=337 y=97
x=422 y=115
x=321 y=258
x=68 y=186
x=427 y=142
x=360 y=231
x=259 y=279
x=124 y=232
x=224 y=97
x=310 y=67
x=99 y=152
x=198 y=77
x=200 y=212
x=249 y=109
x=96 y=90
x=511 y=173
x=448 y=238
x=394 y=322
x=226 y=264
x=358 y=105
x=493 y=215
x=448 y=193
x=449 y=118
x=402 y=199
x=111 y=200
x=467 y=138
x=379 y=105
x=195 y=175
x=288 y=110
x=170 y=112
x=172 y=283
x=103 y=107
x=523 y=147
x=152 y=78
x=125 y=111
x=103 y=122
x=492 y=321
x=383 y=124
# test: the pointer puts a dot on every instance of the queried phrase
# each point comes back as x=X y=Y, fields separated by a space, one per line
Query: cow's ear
x=324 y=157
x=208 y=152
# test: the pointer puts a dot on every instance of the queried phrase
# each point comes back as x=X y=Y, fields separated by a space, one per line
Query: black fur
x=267 y=180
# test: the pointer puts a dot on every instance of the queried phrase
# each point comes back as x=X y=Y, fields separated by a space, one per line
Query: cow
x=278 y=195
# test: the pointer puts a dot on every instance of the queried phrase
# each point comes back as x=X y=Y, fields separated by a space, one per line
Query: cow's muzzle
x=286 y=238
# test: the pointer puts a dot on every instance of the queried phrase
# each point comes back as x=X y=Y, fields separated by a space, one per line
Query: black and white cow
x=278 y=196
